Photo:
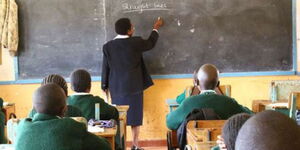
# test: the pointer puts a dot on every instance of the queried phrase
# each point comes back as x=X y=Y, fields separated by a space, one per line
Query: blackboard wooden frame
x=294 y=71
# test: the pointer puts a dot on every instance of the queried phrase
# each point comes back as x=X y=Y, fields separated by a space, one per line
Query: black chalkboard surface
x=58 y=36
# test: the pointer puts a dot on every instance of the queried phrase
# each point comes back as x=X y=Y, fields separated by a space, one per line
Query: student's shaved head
x=269 y=130
x=50 y=99
x=208 y=76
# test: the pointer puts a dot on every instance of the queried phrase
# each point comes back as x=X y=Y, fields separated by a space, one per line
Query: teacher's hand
x=159 y=23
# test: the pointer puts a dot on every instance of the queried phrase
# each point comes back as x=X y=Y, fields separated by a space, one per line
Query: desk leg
x=113 y=143
x=125 y=132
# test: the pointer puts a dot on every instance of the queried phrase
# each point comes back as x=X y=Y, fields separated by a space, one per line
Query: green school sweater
x=86 y=103
x=71 y=112
x=215 y=148
x=46 y=132
x=224 y=106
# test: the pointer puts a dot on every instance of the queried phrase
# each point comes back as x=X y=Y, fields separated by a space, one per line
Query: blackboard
x=58 y=36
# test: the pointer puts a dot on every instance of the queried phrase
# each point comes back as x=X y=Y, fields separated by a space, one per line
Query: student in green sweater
x=47 y=130
x=194 y=90
x=82 y=99
x=269 y=130
x=230 y=131
x=2 y=124
x=224 y=106
x=60 y=81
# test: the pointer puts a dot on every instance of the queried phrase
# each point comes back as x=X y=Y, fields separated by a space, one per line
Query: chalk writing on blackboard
x=129 y=8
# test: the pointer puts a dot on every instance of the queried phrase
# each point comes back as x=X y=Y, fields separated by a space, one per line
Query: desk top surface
x=108 y=132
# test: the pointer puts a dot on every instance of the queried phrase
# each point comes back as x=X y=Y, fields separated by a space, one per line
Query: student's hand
x=221 y=143
x=159 y=23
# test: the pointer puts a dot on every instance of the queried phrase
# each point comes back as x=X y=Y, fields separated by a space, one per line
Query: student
x=60 y=81
x=230 y=131
x=82 y=99
x=224 y=106
x=2 y=124
x=193 y=90
x=269 y=130
x=48 y=131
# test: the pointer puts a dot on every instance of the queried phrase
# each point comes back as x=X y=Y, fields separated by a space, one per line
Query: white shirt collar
x=121 y=37
x=208 y=91
x=81 y=93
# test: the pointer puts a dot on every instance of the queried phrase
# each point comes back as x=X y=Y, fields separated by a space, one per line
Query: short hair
x=231 y=129
x=80 y=80
x=49 y=99
x=269 y=130
x=122 y=26
x=57 y=79
x=208 y=76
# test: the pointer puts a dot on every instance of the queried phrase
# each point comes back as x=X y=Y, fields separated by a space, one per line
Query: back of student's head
x=208 y=76
x=57 y=79
x=269 y=130
x=80 y=80
x=231 y=129
x=50 y=99
x=122 y=26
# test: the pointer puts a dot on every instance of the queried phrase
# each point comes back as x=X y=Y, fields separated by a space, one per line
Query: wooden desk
x=261 y=105
x=202 y=135
x=8 y=110
x=109 y=134
x=198 y=139
x=123 y=122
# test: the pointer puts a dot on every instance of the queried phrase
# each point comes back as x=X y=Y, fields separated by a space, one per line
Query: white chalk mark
x=150 y=9
x=178 y=23
x=192 y=30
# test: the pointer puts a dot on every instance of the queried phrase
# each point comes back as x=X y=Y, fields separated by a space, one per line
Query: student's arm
x=180 y=98
x=242 y=109
x=93 y=142
x=107 y=111
x=176 y=117
x=105 y=71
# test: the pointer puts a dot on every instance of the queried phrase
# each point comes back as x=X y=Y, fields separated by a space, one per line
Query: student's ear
x=88 y=90
x=197 y=84
x=63 y=110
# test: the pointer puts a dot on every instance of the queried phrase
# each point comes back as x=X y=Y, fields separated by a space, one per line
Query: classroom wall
x=244 y=90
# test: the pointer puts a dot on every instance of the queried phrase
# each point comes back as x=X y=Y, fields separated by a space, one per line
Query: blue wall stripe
x=174 y=76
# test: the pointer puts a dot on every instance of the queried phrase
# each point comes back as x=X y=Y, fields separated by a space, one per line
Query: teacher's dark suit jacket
x=123 y=69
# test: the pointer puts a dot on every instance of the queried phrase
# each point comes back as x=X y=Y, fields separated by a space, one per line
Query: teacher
x=124 y=73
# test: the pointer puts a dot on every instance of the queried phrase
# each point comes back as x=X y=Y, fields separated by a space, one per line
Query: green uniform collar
x=43 y=117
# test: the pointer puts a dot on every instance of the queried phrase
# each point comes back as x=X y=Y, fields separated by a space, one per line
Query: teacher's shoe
x=136 y=148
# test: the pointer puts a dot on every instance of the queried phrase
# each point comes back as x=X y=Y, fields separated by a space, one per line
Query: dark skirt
x=135 y=111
